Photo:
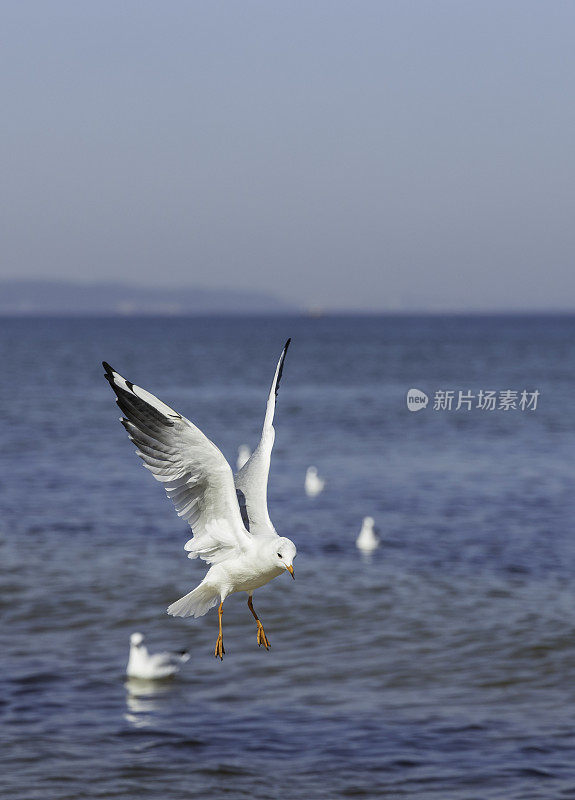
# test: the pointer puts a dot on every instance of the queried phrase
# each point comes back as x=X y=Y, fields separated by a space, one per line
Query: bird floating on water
x=152 y=666
x=244 y=454
x=314 y=485
x=231 y=527
x=367 y=539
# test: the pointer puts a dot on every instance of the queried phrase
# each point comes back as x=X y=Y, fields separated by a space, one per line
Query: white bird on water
x=244 y=454
x=152 y=666
x=314 y=485
x=367 y=539
x=232 y=530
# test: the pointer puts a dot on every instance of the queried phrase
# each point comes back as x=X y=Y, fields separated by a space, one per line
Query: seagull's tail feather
x=196 y=603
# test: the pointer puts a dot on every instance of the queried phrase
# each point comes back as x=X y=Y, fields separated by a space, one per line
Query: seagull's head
x=283 y=554
x=136 y=639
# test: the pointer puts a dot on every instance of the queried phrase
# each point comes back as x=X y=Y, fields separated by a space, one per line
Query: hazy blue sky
x=359 y=154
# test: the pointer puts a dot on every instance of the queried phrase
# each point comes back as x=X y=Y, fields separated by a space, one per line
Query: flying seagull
x=231 y=527
x=152 y=666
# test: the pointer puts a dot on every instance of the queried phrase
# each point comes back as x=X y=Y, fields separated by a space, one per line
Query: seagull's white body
x=367 y=539
x=152 y=666
x=232 y=530
x=314 y=485
x=244 y=454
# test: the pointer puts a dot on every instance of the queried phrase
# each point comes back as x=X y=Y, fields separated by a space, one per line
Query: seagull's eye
x=279 y=555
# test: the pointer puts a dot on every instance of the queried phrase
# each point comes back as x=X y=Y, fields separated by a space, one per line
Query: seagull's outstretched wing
x=195 y=474
x=252 y=480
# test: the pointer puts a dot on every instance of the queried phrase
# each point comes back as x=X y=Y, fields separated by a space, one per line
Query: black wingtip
x=109 y=373
x=281 y=369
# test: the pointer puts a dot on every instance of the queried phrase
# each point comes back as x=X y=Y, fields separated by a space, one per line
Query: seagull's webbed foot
x=219 y=651
x=262 y=638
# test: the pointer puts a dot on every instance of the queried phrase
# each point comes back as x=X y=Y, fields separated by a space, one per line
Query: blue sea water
x=443 y=666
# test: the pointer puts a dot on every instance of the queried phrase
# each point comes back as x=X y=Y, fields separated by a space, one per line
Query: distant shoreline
x=35 y=298
x=96 y=314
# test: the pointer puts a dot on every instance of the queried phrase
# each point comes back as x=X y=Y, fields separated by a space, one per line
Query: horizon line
x=306 y=314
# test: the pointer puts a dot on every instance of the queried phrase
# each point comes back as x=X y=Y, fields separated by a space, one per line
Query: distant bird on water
x=367 y=539
x=232 y=530
x=314 y=485
x=152 y=666
x=244 y=454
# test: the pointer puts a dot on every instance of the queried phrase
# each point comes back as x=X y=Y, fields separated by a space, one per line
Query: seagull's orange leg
x=262 y=638
x=219 y=651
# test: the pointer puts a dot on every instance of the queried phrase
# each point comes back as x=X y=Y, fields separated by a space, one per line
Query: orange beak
x=290 y=570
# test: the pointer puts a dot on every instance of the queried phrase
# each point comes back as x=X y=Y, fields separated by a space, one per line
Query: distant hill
x=37 y=297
